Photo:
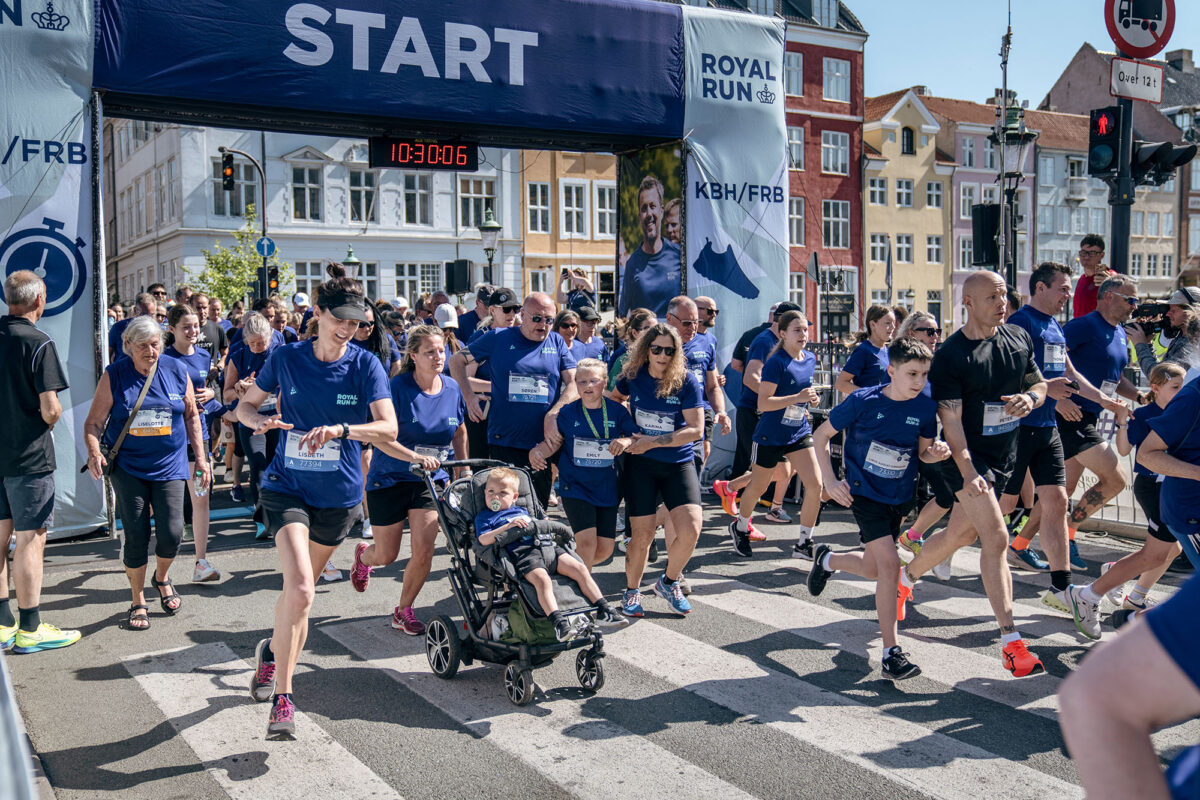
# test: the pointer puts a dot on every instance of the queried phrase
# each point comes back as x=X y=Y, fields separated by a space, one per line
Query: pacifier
x=494 y=505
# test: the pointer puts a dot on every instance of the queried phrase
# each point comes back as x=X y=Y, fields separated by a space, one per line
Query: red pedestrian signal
x=1104 y=124
x=1104 y=142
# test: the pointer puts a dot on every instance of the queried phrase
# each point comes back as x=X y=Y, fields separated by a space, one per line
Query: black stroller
x=486 y=584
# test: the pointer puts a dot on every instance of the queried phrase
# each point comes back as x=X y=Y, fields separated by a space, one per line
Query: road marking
x=202 y=690
x=585 y=756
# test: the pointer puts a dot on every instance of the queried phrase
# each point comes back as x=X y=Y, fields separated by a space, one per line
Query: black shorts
x=932 y=485
x=1079 y=436
x=583 y=515
x=649 y=482
x=27 y=500
x=530 y=558
x=769 y=455
x=391 y=504
x=326 y=526
x=997 y=475
x=878 y=520
x=1146 y=489
x=1040 y=452
x=709 y=419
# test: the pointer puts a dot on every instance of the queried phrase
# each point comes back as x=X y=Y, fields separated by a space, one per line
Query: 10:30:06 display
x=434 y=154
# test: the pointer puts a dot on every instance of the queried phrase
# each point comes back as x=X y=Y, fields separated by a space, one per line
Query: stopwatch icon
x=53 y=257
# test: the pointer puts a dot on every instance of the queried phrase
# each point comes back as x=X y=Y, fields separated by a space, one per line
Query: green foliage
x=666 y=164
x=230 y=272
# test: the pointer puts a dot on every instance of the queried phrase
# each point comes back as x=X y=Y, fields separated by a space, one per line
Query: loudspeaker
x=985 y=225
x=458 y=276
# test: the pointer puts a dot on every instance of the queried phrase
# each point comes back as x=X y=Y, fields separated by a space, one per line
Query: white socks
x=743 y=524
x=805 y=534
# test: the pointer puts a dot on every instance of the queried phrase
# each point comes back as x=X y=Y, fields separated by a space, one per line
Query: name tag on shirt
x=653 y=422
x=429 y=451
x=324 y=459
x=795 y=415
x=528 y=388
x=151 y=422
x=591 y=453
x=1055 y=356
x=886 y=461
x=1109 y=388
x=996 y=422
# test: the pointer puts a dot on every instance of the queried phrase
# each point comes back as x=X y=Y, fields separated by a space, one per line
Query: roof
x=943 y=157
x=875 y=107
x=961 y=111
x=871 y=150
x=1057 y=131
x=800 y=12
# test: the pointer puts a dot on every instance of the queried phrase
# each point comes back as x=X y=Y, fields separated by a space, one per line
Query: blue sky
x=955 y=48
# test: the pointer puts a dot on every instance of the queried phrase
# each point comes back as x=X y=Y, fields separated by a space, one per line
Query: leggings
x=137 y=498
x=259 y=452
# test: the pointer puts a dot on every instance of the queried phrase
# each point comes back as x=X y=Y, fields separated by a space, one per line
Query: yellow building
x=569 y=211
x=907 y=198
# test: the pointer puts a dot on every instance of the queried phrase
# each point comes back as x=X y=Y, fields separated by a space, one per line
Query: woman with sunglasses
x=640 y=320
x=378 y=342
x=667 y=404
x=566 y=325
x=503 y=312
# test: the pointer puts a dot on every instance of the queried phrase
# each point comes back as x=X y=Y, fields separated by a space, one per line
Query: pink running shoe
x=360 y=573
x=755 y=534
x=403 y=619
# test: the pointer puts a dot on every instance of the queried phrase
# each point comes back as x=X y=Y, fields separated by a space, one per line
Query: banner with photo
x=736 y=190
x=46 y=223
x=650 y=222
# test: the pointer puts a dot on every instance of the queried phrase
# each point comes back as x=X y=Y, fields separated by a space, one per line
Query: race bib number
x=654 y=422
x=995 y=421
x=591 y=453
x=887 y=461
x=1109 y=388
x=270 y=405
x=528 y=388
x=324 y=459
x=151 y=422
x=1054 y=355
x=429 y=451
x=795 y=415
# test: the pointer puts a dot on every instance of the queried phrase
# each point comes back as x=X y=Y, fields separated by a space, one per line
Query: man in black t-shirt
x=984 y=379
x=30 y=382
x=738 y=362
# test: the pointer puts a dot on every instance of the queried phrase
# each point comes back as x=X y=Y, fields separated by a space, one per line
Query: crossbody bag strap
x=112 y=454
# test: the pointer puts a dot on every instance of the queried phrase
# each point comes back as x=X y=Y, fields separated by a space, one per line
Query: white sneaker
x=331 y=573
x=942 y=571
x=205 y=572
x=366 y=530
x=1117 y=593
x=622 y=543
x=1086 y=614
x=1057 y=601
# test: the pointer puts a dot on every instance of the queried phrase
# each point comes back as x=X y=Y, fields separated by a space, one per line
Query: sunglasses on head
x=930 y=331
x=539 y=318
x=658 y=350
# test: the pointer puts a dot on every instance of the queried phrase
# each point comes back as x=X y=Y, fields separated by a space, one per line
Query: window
x=933 y=194
x=835 y=152
x=1193 y=236
x=606 y=288
x=966 y=199
x=1079 y=219
x=539 y=281
x=879 y=247
x=1099 y=221
x=1135 y=265
x=306 y=193
x=991 y=195
x=1152 y=265
x=417 y=279
x=933 y=249
x=907 y=146
x=904 y=248
x=1075 y=168
x=605 y=205
x=368 y=276
x=172 y=189
x=1168 y=266
x=539 y=208
x=835 y=223
x=796 y=288
x=125 y=225
x=764 y=7
x=160 y=195
x=796 y=146
x=837 y=80
x=1168 y=226
x=904 y=192
x=1064 y=219
x=363 y=184
x=308 y=277
x=793 y=74
x=476 y=196
x=1195 y=179
x=796 y=221
x=877 y=191
x=933 y=304
x=139 y=208
x=1137 y=223
x=1045 y=220
x=879 y=297
x=1152 y=223
x=418 y=198
x=123 y=142
x=825 y=13
x=965 y=253
x=989 y=154
x=245 y=190
x=968 y=152
x=572 y=217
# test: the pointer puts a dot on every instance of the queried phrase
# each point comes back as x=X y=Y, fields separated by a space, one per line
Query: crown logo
x=49 y=21
x=765 y=95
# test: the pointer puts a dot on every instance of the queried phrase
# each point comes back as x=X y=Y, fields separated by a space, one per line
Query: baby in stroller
x=530 y=544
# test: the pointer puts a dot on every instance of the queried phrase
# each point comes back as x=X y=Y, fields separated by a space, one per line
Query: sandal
x=132 y=616
x=165 y=600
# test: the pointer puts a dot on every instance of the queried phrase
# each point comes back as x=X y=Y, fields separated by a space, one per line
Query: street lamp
x=351 y=262
x=489 y=232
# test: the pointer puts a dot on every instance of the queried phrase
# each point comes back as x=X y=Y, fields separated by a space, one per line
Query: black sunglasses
x=571 y=325
x=933 y=331
x=658 y=350
x=713 y=311
x=365 y=325
x=510 y=309
x=539 y=318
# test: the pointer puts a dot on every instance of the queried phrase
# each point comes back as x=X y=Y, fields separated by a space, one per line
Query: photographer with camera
x=1180 y=325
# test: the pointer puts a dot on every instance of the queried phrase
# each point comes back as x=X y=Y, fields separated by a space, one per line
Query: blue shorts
x=1174 y=625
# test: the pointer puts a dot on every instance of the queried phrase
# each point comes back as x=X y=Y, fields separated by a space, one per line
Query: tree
x=229 y=273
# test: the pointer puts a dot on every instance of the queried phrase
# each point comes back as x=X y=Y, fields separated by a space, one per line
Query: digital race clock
x=444 y=154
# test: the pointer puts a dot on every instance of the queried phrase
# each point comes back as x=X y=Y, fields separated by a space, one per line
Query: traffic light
x=1155 y=162
x=272 y=279
x=1104 y=142
x=227 y=172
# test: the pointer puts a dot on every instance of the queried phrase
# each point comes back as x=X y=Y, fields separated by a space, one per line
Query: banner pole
x=100 y=275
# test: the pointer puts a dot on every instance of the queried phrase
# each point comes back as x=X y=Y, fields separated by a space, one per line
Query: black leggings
x=137 y=498
x=259 y=452
x=477 y=438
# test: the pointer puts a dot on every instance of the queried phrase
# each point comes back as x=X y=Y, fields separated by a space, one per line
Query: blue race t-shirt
x=393 y=354
x=315 y=393
x=786 y=425
x=880 y=444
x=1139 y=429
x=155 y=449
x=1099 y=352
x=760 y=350
x=250 y=363
x=586 y=469
x=650 y=281
x=656 y=415
x=868 y=364
x=425 y=423
x=1050 y=353
x=701 y=354
x=578 y=299
x=467 y=323
x=226 y=324
x=1179 y=428
x=114 y=337
x=596 y=348
x=237 y=340
x=526 y=383
x=487 y=521
x=197 y=365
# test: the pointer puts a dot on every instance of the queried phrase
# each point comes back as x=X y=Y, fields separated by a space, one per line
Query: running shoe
x=755 y=534
x=46 y=637
x=1017 y=524
x=237 y=494
x=943 y=570
x=911 y=545
x=1057 y=601
x=1019 y=661
x=8 y=635
x=1129 y=604
x=728 y=498
x=631 y=603
x=1027 y=559
x=740 y=539
x=803 y=550
x=281 y=727
x=622 y=543
x=205 y=572
x=360 y=573
x=262 y=682
x=903 y=596
x=608 y=617
x=1076 y=560
x=405 y=619
x=331 y=573
x=366 y=530
x=564 y=631
x=621 y=522
x=652 y=555
x=1121 y=617
x=1087 y=615
x=1115 y=594
x=553 y=502
x=260 y=532
x=673 y=595
x=897 y=667
x=818 y=576
x=684 y=586
x=777 y=514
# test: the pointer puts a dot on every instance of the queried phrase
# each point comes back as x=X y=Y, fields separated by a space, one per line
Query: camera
x=1150 y=318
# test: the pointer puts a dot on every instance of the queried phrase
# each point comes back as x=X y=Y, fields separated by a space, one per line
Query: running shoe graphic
x=724 y=269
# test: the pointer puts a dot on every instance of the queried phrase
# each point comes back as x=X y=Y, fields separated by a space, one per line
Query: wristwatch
x=345 y=431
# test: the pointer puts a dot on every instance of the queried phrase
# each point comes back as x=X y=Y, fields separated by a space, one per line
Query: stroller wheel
x=589 y=670
x=518 y=683
x=443 y=647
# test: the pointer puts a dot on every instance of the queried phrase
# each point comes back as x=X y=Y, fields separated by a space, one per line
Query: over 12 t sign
x=1138 y=80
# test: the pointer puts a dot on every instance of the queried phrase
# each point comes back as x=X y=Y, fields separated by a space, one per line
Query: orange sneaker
x=1019 y=661
x=728 y=498
x=903 y=595
x=756 y=535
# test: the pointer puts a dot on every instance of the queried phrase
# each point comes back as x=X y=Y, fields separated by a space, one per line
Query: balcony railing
x=1077 y=188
